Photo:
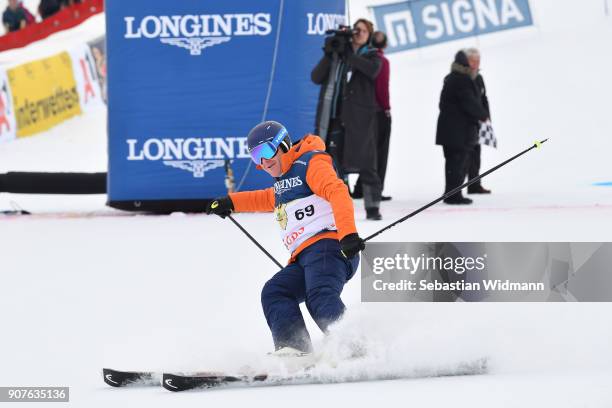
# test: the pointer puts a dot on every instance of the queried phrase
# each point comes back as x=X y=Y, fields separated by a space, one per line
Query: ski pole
x=236 y=223
x=455 y=190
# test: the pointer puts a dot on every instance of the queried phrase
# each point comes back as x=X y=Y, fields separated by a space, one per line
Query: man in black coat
x=346 y=111
x=473 y=56
x=461 y=110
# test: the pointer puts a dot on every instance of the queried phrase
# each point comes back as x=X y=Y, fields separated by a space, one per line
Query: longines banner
x=187 y=80
x=419 y=23
x=487 y=272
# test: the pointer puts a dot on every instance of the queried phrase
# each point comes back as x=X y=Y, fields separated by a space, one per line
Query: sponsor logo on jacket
x=196 y=155
x=282 y=186
x=196 y=32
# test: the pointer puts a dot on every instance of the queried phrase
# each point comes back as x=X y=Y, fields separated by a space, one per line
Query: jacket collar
x=462 y=69
x=307 y=144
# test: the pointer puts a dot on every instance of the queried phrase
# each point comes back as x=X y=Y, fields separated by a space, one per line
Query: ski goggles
x=265 y=150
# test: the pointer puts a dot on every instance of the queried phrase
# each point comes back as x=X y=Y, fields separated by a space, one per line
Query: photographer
x=346 y=111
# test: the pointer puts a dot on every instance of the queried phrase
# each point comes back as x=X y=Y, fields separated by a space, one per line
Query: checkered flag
x=486 y=135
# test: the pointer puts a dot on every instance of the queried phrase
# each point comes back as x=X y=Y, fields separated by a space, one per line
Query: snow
x=81 y=292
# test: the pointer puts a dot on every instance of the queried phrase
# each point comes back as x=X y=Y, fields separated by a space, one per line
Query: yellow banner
x=44 y=94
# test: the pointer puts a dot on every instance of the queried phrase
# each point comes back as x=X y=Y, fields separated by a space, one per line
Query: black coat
x=47 y=8
x=482 y=90
x=357 y=108
x=461 y=109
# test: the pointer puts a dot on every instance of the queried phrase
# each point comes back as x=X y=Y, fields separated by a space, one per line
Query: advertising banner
x=8 y=128
x=85 y=74
x=420 y=23
x=188 y=80
x=98 y=51
x=44 y=93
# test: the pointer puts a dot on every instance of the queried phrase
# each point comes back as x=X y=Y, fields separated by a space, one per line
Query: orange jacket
x=322 y=180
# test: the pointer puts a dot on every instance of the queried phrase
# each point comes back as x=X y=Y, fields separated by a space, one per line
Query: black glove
x=221 y=206
x=351 y=245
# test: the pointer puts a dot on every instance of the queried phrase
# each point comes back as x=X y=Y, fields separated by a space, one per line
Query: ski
x=116 y=378
x=184 y=382
x=176 y=382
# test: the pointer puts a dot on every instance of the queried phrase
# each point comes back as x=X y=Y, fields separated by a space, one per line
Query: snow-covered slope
x=182 y=292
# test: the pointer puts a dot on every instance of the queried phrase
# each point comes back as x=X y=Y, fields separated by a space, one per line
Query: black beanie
x=461 y=59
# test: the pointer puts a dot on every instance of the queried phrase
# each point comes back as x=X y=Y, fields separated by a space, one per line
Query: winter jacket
x=357 y=106
x=461 y=109
x=382 y=83
x=305 y=162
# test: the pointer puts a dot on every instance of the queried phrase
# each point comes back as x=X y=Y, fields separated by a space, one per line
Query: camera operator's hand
x=348 y=51
x=369 y=65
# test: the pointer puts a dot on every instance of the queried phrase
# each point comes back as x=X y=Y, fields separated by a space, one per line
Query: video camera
x=339 y=41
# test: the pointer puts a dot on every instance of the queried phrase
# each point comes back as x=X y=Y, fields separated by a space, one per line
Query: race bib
x=302 y=218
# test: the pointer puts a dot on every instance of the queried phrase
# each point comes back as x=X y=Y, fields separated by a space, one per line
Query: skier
x=316 y=218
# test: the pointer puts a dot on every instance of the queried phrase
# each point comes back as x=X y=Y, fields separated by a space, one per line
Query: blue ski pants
x=317 y=277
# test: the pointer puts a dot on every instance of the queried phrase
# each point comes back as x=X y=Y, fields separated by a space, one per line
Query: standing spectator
x=473 y=56
x=346 y=111
x=383 y=115
x=47 y=8
x=30 y=19
x=13 y=18
x=461 y=110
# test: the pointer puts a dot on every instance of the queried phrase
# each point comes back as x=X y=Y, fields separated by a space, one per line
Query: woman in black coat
x=461 y=109
x=346 y=111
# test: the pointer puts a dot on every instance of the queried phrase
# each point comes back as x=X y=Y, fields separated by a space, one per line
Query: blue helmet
x=264 y=140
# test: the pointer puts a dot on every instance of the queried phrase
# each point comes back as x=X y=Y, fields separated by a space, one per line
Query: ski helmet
x=264 y=140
